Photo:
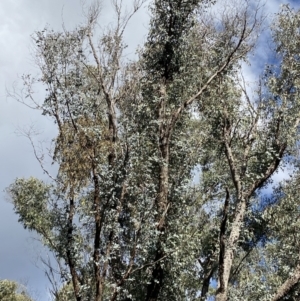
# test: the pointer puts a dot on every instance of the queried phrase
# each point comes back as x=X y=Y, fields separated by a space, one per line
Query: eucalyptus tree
x=83 y=207
x=185 y=57
x=12 y=291
x=251 y=138
x=123 y=217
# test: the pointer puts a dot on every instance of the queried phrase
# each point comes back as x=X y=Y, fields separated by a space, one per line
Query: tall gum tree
x=184 y=58
x=13 y=291
x=123 y=217
x=254 y=136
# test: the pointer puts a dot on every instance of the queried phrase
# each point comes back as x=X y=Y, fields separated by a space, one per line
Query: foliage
x=126 y=217
x=12 y=291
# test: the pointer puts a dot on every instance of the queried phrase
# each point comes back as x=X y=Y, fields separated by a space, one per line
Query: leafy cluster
x=12 y=291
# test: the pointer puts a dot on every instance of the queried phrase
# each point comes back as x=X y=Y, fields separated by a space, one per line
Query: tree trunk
x=225 y=268
x=96 y=256
x=157 y=277
x=71 y=262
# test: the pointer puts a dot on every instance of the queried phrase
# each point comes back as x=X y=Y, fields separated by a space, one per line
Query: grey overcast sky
x=18 y=20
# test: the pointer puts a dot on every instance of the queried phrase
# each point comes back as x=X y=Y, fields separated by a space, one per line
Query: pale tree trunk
x=225 y=269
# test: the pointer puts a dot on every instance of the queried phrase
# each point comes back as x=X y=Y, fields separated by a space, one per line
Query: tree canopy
x=12 y=291
x=164 y=160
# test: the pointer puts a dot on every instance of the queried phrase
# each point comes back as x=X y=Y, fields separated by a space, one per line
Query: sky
x=19 y=19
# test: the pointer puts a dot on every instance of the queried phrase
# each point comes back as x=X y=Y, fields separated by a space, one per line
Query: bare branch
x=29 y=133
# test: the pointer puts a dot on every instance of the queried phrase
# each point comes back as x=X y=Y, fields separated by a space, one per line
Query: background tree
x=12 y=291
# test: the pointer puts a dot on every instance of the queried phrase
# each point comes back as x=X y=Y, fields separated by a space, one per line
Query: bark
x=222 y=242
x=157 y=277
x=71 y=263
x=229 y=252
x=96 y=255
